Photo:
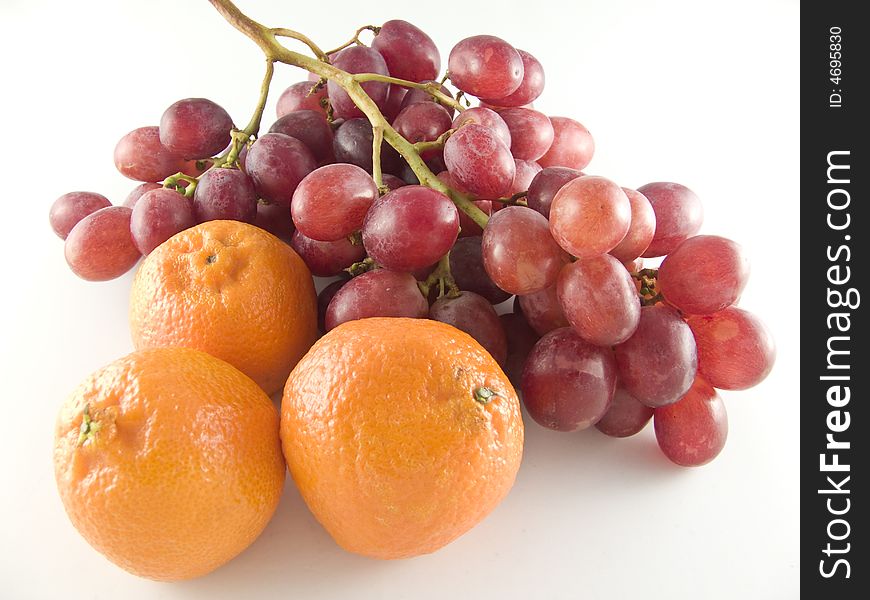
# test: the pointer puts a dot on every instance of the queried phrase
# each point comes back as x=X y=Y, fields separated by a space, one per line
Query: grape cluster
x=594 y=338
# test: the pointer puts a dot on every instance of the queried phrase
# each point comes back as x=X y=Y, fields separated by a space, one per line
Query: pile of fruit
x=401 y=432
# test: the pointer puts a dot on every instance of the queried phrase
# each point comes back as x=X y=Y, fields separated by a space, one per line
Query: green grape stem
x=267 y=40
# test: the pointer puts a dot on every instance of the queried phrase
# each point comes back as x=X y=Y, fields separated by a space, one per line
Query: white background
x=701 y=93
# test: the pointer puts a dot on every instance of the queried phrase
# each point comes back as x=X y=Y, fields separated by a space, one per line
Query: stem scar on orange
x=401 y=434
x=168 y=462
x=232 y=290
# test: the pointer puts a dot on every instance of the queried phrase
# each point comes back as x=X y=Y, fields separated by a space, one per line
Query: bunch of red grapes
x=593 y=339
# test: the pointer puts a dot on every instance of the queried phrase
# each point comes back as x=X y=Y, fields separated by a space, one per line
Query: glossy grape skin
x=531 y=132
x=589 y=216
x=415 y=96
x=519 y=254
x=485 y=66
x=325 y=259
x=626 y=416
x=521 y=338
x=276 y=164
x=408 y=52
x=139 y=155
x=599 y=299
x=195 y=128
x=225 y=194
x=422 y=122
x=297 y=97
x=486 y=117
x=659 y=362
x=679 y=215
x=531 y=87
x=479 y=161
x=158 y=215
x=572 y=145
x=466 y=266
x=410 y=228
x=358 y=59
x=325 y=297
x=546 y=183
x=275 y=219
x=641 y=229
x=353 y=143
x=100 y=246
x=704 y=274
x=378 y=293
x=310 y=128
x=71 y=208
x=735 y=349
x=692 y=431
x=542 y=310
x=392 y=182
x=474 y=315
x=136 y=193
x=567 y=383
x=331 y=202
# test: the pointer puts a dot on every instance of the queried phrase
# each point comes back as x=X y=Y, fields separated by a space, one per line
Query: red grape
x=572 y=145
x=466 y=266
x=678 y=213
x=410 y=228
x=626 y=416
x=658 y=363
x=486 y=117
x=332 y=201
x=276 y=164
x=395 y=98
x=275 y=219
x=300 y=97
x=485 y=66
x=531 y=132
x=158 y=215
x=475 y=316
x=225 y=194
x=599 y=299
x=521 y=338
x=546 y=183
x=100 y=246
x=392 y=182
x=415 y=96
x=704 y=274
x=325 y=297
x=422 y=122
x=136 y=193
x=358 y=59
x=71 y=208
x=310 y=128
x=408 y=52
x=353 y=144
x=467 y=227
x=568 y=383
x=195 y=128
x=735 y=349
x=325 y=259
x=531 y=86
x=589 y=216
x=378 y=293
x=518 y=251
x=139 y=155
x=526 y=170
x=692 y=432
x=479 y=161
x=543 y=311
x=640 y=231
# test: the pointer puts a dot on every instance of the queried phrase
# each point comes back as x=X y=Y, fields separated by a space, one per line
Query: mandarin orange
x=168 y=462
x=232 y=290
x=401 y=434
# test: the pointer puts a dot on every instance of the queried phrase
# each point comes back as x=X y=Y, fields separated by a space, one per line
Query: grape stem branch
x=274 y=51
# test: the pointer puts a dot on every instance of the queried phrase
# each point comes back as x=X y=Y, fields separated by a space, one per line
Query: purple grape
x=546 y=184
x=310 y=128
x=466 y=266
x=276 y=164
x=422 y=122
x=408 y=52
x=353 y=144
x=275 y=219
x=158 y=215
x=136 y=193
x=378 y=293
x=542 y=310
x=415 y=96
x=474 y=315
x=325 y=259
x=521 y=338
x=195 y=128
x=626 y=416
x=358 y=59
